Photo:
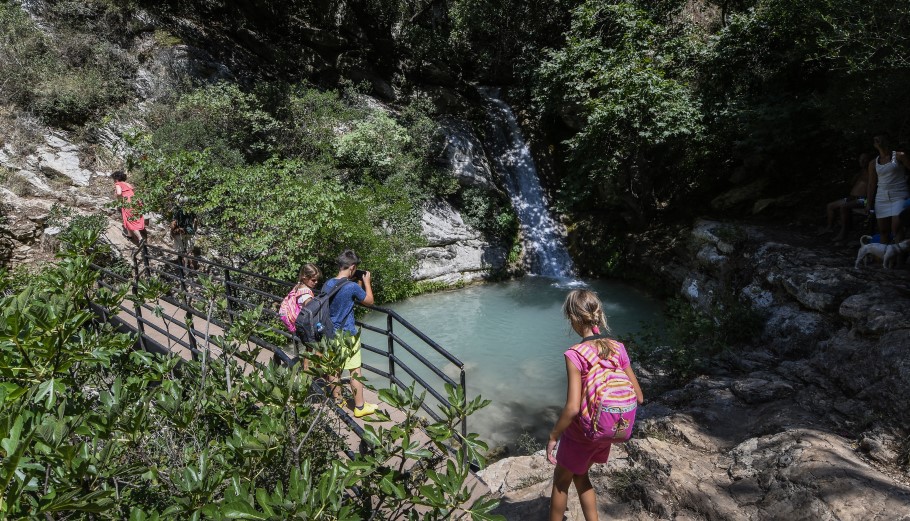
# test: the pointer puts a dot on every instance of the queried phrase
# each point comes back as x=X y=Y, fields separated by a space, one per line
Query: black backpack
x=315 y=318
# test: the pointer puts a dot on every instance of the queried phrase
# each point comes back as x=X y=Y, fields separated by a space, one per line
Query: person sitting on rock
x=856 y=199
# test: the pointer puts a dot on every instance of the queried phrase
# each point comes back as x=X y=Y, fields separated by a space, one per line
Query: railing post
x=390 y=349
x=137 y=306
x=464 y=405
x=228 y=294
x=188 y=317
x=143 y=247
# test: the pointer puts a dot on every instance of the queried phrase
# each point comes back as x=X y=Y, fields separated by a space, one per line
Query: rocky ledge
x=809 y=422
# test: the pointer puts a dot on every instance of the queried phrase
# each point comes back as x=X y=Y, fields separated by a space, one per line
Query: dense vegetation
x=92 y=429
x=647 y=110
x=283 y=187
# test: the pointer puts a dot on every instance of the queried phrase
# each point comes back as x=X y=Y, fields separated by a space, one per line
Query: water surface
x=510 y=336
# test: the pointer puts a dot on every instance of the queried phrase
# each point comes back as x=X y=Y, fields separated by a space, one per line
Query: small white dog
x=889 y=253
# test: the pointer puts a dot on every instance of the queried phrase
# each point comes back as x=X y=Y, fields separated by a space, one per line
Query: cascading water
x=544 y=238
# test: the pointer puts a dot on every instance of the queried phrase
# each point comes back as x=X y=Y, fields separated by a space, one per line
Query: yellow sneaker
x=366 y=410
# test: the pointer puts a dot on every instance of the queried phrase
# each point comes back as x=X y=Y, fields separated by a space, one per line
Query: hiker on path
x=888 y=185
x=342 y=310
x=856 y=199
x=133 y=225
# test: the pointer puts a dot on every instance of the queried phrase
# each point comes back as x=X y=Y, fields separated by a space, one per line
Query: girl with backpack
x=307 y=278
x=601 y=399
x=133 y=225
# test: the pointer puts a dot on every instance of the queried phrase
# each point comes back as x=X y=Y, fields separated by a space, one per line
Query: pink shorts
x=576 y=453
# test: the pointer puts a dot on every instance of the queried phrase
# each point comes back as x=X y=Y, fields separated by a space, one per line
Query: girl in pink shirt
x=576 y=453
x=133 y=225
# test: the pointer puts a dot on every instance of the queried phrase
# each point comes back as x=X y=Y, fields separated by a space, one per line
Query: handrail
x=242 y=297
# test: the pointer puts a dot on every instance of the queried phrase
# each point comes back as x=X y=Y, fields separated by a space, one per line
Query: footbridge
x=182 y=320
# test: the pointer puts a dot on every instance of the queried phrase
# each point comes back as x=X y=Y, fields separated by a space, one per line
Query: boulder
x=60 y=159
x=456 y=252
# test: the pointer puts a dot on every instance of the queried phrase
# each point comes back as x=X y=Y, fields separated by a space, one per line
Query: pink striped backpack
x=290 y=307
x=608 y=401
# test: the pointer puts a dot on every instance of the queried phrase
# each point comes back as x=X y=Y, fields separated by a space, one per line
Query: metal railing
x=244 y=291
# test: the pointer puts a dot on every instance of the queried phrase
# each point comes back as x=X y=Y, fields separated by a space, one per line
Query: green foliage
x=620 y=73
x=695 y=336
x=526 y=445
x=300 y=182
x=222 y=119
x=488 y=212
x=67 y=79
x=502 y=38
x=90 y=428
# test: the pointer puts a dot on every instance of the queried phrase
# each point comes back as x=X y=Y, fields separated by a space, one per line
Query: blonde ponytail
x=585 y=311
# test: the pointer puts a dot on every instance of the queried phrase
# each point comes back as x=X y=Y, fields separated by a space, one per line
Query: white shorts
x=889 y=203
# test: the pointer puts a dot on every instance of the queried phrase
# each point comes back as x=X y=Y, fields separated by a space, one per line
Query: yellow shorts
x=355 y=360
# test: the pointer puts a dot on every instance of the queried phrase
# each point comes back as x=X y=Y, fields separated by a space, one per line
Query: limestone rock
x=807 y=474
x=755 y=390
x=879 y=311
x=59 y=158
x=456 y=252
x=164 y=68
x=511 y=474
x=789 y=329
x=464 y=155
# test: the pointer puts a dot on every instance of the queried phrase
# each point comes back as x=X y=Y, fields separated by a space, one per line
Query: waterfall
x=544 y=238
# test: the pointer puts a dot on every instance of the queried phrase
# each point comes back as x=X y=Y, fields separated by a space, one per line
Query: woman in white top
x=888 y=184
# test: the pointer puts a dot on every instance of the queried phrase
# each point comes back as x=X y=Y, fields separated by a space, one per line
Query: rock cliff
x=809 y=422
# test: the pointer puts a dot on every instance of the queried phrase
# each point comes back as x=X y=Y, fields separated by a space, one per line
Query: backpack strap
x=331 y=295
x=591 y=353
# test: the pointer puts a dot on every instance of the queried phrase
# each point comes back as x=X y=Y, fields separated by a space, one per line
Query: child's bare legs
x=559 y=497
x=586 y=496
x=357 y=387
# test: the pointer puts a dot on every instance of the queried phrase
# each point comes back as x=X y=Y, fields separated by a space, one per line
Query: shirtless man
x=856 y=199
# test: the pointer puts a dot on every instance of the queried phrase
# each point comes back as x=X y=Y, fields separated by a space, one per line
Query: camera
x=358 y=275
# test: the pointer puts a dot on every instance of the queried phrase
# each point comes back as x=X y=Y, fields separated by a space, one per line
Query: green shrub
x=338 y=175
x=489 y=212
x=222 y=119
x=90 y=428
x=693 y=336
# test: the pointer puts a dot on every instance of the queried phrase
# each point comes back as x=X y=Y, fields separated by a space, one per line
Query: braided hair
x=584 y=310
x=308 y=271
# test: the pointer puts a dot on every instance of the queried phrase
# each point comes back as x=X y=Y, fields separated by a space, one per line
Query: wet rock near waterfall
x=455 y=251
x=464 y=156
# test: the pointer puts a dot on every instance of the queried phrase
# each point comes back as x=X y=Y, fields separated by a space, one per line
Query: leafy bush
x=620 y=74
x=90 y=428
x=694 y=336
x=313 y=175
x=222 y=119
x=488 y=212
